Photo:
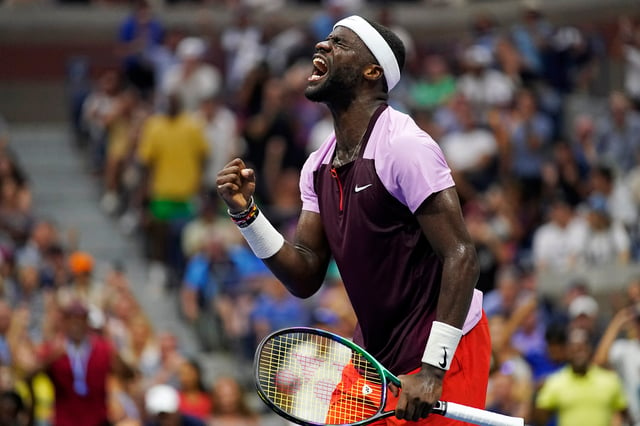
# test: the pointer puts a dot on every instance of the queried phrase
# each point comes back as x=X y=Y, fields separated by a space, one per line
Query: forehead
x=346 y=34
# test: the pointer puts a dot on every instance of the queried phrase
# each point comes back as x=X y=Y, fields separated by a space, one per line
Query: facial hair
x=338 y=88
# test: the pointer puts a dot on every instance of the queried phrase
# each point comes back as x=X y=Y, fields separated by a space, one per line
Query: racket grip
x=476 y=416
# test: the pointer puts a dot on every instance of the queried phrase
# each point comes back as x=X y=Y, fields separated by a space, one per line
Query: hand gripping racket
x=314 y=377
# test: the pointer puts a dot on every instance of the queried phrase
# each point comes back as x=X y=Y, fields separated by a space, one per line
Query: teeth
x=319 y=61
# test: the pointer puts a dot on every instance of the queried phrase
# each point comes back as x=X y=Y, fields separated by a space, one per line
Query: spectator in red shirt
x=78 y=364
x=194 y=399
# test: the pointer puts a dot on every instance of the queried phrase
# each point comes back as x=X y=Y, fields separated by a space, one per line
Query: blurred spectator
x=194 y=398
x=584 y=313
x=142 y=351
x=122 y=404
x=26 y=293
x=83 y=285
x=42 y=236
x=13 y=411
x=504 y=298
x=243 y=46
x=581 y=393
x=276 y=308
x=206 y=222
x=565 y=173
x=606 y=241
x=270 y=138
x=161 y=404
x=434 y=85
x=557 y=242
x=584 y=141
x=619 y=348
x=139 y=32
x=123 y=128
x=230 y=406
x=221 y=131
x=531 y=36
x=616 y=194
x=5 y=322
x=618 y=134
x=78 y=364
x=472 y=154
x=629 y=33
x=530 y=134
x=481 y=84
x=173 y=151
x=15 y=209
x=97 y=108
x=510 y=384
x=209 y=273
x=191 y=79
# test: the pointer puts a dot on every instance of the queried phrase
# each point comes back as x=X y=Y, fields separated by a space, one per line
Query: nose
x=323 y=46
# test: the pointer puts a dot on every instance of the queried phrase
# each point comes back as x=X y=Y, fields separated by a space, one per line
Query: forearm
x=298 y=268
x=459 y=277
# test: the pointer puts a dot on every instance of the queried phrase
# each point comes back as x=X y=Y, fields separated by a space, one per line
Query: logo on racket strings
x=366 y=390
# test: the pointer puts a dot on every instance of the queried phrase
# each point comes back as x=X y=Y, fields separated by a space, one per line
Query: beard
x=338 y=88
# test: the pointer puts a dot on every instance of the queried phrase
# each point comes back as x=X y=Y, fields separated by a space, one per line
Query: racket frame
x=385 y=375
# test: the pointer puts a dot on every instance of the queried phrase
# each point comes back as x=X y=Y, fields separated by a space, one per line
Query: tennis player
x=378 y=196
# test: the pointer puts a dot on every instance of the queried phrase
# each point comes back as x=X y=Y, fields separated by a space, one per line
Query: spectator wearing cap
x=606 y=241
x=78 y=364
x=584 y=313
x=191 y=79
x=83 y=285
x=162 y=403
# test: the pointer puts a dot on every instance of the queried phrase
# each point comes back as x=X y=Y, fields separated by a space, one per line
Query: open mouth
x=319 y=69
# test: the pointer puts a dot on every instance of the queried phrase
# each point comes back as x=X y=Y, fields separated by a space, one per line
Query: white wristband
x=263 y=238
x=441 y=345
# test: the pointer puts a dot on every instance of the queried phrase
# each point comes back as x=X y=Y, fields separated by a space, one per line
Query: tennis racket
x=314 y=377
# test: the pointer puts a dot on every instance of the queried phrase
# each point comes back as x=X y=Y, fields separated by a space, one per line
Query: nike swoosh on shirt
x=362 y=188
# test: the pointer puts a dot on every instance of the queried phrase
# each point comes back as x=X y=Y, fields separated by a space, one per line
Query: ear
x=373 y=72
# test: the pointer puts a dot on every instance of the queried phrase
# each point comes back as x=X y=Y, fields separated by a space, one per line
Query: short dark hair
x=394 y=42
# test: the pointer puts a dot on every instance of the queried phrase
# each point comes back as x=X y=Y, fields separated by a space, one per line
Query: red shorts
x=464 y=383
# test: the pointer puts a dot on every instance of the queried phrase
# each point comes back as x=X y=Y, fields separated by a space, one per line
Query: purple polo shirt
x=367 y=207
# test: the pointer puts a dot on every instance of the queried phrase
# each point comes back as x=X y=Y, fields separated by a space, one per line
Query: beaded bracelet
x=246 y=218
x=244 y=212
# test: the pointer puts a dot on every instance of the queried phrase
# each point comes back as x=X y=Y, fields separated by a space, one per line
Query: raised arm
x=301 y=265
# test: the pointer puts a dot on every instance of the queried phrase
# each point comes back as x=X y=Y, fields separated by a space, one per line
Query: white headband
x=376 y=44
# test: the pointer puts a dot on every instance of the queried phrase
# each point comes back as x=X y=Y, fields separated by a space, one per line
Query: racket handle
x=477 y=416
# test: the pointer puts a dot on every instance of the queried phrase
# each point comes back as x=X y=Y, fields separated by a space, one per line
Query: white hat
x=161 y=399
x=583 y=305
x=191 y=48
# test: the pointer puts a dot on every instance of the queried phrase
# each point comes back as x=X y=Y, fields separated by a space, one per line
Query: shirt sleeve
x=547 y=398
x=307 y=190
x=414 y=170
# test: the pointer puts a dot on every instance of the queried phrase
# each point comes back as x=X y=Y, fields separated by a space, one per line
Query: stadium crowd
x=545 y=162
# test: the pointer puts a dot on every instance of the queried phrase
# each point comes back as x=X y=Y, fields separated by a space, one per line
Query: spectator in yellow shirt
x=581 y=393
x=173 y=151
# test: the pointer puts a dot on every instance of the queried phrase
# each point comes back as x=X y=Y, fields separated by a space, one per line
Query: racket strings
x=317 y=379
